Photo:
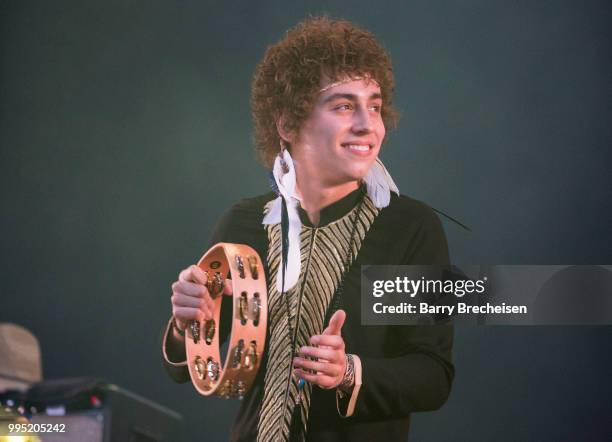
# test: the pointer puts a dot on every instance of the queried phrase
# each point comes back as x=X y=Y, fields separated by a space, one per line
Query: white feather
x=380 y=185
x=286 y=187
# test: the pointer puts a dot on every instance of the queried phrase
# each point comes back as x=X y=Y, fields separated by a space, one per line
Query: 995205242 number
x=36 y=428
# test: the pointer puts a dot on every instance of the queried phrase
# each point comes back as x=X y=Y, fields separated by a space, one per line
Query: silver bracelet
x=348 y=381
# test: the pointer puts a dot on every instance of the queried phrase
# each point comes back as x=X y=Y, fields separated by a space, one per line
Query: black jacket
x=404 y=368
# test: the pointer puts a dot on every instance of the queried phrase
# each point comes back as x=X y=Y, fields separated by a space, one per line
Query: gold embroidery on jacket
x=326 y=247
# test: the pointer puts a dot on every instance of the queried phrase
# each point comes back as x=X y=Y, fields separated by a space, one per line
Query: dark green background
x=125 y=132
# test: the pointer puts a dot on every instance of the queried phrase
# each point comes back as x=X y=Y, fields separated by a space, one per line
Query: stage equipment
x=87 y=410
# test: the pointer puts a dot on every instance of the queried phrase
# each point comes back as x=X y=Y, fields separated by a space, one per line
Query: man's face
x=341 y=138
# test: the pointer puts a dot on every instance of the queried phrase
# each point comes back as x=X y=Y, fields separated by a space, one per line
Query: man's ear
x=285 y=134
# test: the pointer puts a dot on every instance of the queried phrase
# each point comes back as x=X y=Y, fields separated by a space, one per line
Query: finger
x=196 y=291
x=193 y=274
x=324 y=368
x=330 y=341
x=181 y=300
x=322 y=381
x=335 y=323
x=189 y=288
x=321 y=353
x=190 y=314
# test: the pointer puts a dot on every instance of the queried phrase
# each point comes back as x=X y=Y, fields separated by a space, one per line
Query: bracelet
x=348 y=381
x=175 y=327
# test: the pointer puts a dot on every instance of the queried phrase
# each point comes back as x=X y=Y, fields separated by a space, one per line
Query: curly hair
x=288 y=78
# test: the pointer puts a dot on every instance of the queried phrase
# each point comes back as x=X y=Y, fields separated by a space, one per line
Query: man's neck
x=316 y=195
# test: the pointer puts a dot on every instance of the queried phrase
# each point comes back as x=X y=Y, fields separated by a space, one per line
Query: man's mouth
x=358 y=148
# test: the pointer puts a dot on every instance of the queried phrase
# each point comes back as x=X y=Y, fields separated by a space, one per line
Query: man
x=321 y=102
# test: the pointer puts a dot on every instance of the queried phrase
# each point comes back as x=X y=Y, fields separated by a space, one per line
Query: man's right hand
x=190 y=298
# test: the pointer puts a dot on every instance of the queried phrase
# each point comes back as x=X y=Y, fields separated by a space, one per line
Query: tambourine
x=233 y=378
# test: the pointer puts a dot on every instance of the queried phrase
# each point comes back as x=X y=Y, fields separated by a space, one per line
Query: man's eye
x=376 y=108
x=345 y=106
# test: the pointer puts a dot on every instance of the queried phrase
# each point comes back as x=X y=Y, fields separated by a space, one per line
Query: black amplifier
x=88 y=410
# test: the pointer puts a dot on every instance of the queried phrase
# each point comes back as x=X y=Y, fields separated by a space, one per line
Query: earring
x=281 y=154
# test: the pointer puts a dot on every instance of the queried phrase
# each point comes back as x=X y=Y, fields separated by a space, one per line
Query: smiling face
x=341 y=138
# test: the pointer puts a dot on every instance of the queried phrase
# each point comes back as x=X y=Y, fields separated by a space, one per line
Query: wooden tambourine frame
x=235 y=376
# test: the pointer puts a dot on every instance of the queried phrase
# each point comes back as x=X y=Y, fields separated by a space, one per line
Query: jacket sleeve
x=177 y=370
x=416 y=371
x=419 y=380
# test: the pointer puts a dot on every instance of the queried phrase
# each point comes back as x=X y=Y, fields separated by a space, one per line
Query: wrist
x=174 y=345
x=176 y=329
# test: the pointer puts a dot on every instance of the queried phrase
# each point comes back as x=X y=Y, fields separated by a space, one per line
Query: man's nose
x=362 y=121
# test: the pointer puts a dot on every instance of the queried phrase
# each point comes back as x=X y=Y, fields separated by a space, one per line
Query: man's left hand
x=327 y=350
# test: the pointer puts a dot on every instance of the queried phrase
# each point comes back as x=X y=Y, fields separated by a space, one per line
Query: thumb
x=228 y=288
x=182 y=325
x=335 y=323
